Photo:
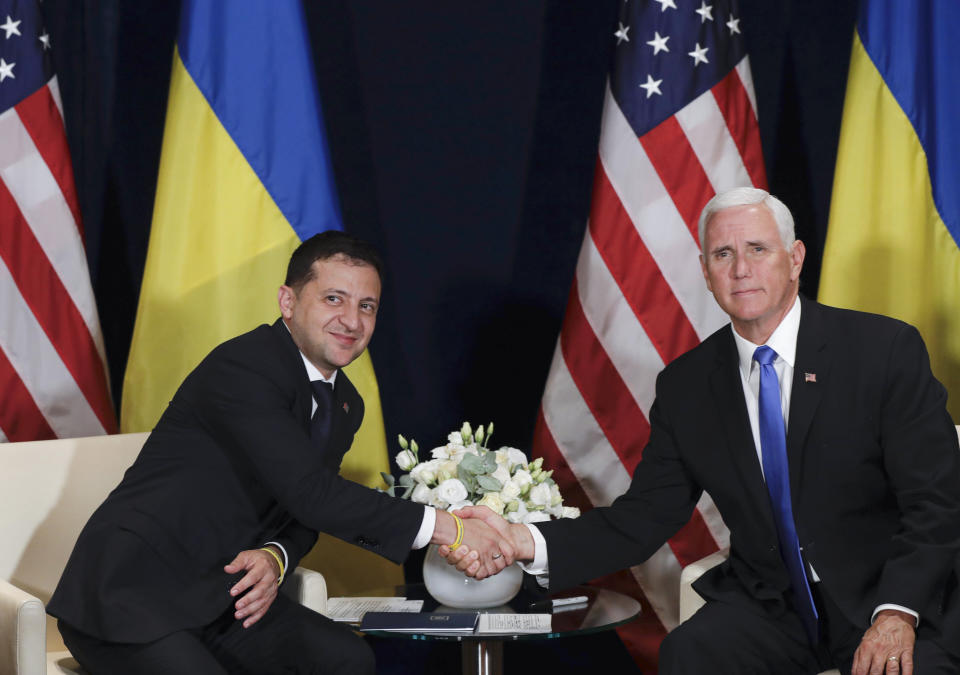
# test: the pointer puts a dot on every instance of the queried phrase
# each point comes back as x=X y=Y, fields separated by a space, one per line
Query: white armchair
x=48 y=489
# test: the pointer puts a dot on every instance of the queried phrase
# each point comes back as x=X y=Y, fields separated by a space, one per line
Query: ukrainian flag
x=244 y=178
x=893 y=242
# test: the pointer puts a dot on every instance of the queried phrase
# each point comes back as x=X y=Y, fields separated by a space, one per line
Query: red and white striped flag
x=52 y=365
x=679 y=125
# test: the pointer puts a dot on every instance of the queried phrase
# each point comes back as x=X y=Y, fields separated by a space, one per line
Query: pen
x=559 y=602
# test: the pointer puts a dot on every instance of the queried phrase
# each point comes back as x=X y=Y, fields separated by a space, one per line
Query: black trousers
x=288 y=639
x=722 y=638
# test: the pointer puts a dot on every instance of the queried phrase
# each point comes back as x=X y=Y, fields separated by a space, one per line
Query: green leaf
x=406 y=493
x=489 y=483
x=406 y=481
x=489 y=460
x=387 y=478
x=468 y=479
x=473 y=464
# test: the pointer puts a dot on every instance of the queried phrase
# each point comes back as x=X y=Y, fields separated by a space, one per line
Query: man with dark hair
x=823 y=438
x=246 y=458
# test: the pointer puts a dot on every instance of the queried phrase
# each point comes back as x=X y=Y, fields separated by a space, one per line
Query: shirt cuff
x=286 y=563
x=427 y=525
x=539 y=564
x=916 y=616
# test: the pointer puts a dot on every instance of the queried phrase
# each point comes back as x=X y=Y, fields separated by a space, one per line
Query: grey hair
x=746 y=196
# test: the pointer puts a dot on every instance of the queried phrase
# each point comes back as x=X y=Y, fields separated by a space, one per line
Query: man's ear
x=797 y=255
x=286 y=298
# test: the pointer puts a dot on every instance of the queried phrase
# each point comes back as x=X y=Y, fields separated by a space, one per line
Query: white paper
x=514 y=623
x=351 y=610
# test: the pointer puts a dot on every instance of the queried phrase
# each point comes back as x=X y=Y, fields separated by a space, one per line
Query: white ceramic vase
x=452 y=588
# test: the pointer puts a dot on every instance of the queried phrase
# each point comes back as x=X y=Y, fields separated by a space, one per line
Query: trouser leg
x=289 y=639
x=180 y=652
x=723 y=638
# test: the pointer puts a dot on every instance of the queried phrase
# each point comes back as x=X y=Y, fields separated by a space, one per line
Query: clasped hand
x=511 y=541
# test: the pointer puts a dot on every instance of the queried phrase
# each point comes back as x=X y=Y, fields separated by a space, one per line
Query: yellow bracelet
x=456 y=542
x=279 y=562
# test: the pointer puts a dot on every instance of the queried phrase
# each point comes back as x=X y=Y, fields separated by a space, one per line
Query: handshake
x=489 y=542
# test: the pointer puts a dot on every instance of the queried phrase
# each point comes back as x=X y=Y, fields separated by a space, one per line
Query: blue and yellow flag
x=244 y=177
x=893 y=243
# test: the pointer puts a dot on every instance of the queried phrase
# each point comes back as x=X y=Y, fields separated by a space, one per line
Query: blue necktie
x=321 y=422
x=773 y=448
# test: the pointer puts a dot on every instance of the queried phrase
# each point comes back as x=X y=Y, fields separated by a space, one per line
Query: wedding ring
x=893 y=658
x=496 y=556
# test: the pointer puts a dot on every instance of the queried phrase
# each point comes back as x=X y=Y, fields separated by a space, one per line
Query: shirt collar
x=783 y=340
x=313 y=373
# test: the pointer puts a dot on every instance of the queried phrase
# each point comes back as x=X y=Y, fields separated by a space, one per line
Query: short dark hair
x=324 y=246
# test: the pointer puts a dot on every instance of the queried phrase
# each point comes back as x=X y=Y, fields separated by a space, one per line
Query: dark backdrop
x=463 y=138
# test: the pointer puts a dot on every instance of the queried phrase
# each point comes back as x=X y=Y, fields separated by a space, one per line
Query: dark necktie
x=322 y=420
x=773 y=448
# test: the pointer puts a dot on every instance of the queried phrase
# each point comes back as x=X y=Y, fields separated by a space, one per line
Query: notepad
x=510 y=624
x=420 y=622
x=351 y=610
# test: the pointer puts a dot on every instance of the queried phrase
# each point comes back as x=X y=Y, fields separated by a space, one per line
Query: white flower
x=440 y=453
x=555 y=498
x=510 y=491
x=492 y=501
x=540 y=494
x=455 y=438
x=446 y=470
x=422 y=494
x=406 y=460
x=502 y=474
x=555 y=510
x=452 y=490
x=536 y=517
x=518 y=515
x=426 y=472
x=516 y=458
x=570 y=512
x=523 y=479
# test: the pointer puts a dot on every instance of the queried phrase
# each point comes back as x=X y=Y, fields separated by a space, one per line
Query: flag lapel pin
x=346 y=407
x=809 y=377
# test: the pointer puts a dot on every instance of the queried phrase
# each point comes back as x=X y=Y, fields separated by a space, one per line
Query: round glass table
x=482 y=654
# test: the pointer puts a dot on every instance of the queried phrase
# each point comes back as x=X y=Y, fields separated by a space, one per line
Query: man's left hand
x=260 y=584
x=887 y=646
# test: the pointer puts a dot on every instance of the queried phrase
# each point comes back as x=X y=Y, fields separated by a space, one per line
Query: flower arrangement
x=466 y=472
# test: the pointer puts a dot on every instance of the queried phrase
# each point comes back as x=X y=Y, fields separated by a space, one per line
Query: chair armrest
x=690 y=600
x=307 y=587
x=23 y=632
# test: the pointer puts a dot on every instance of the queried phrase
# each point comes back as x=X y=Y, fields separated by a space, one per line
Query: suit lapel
x=727 y=391
x=303 y=405
x=811 y=369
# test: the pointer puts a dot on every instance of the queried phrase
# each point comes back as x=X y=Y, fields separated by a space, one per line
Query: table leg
x=482 y=657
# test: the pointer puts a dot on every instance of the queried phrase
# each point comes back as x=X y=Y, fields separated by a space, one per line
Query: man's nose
x=741 y=268
x=350 y=316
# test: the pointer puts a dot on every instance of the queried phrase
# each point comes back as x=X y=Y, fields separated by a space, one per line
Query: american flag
x=52 y=364
x=679 y=125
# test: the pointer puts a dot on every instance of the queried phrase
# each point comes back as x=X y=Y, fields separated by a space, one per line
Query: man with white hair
x=823 y=438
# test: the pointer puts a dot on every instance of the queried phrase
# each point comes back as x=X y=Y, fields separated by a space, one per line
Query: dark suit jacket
x=874 y=472
x=229 y=467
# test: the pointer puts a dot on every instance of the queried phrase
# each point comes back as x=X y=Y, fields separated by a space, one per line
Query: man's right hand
x=491 y=552
x=516 y=536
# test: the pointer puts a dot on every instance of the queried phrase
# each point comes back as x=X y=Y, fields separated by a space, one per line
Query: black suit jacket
x=874 y=472
x=229 y=467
